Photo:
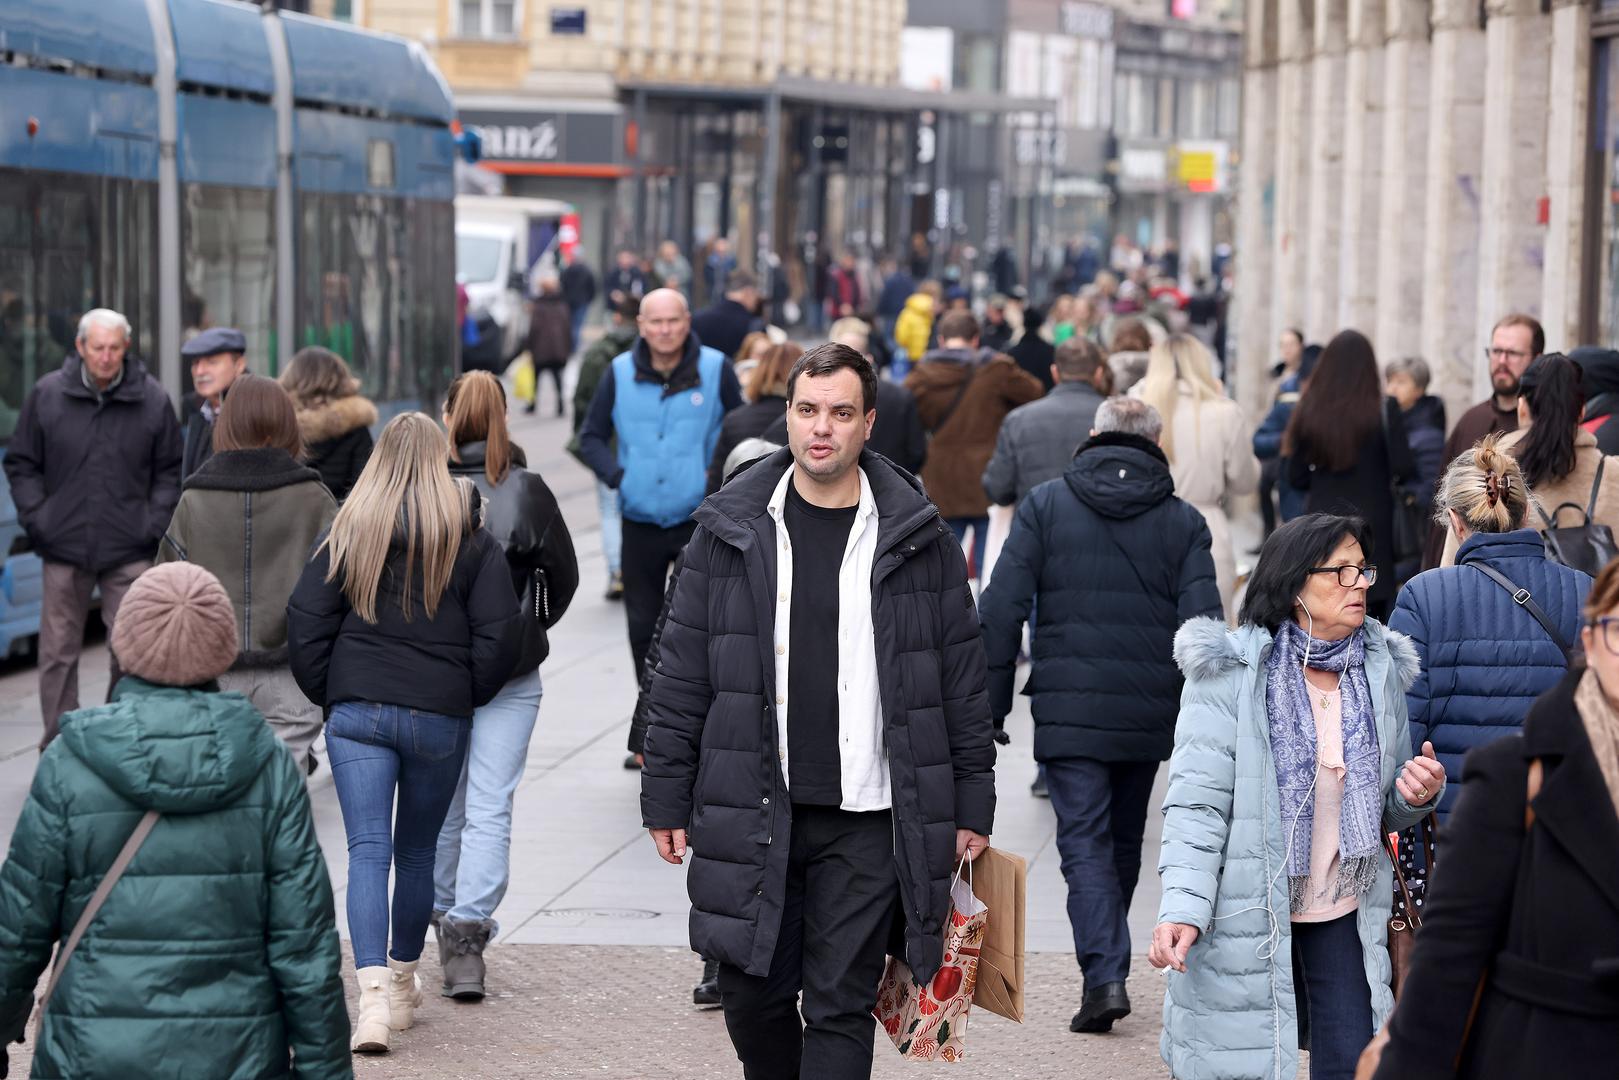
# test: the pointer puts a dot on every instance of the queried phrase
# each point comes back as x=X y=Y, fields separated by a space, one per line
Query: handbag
x=929 y=1022
x=1002 y=884
x=1403 y=928
x=1587 y=546
x=126 y=854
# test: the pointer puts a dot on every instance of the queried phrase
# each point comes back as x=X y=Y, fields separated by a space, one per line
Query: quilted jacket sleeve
x=1197 y=806
x=301 y=937
x=1409 y=619
x=494 y=620
x=315 y=614
x=679 y=696
x=33 y=883
x=966 y=698
x=1008 y=599
x=1198 y=589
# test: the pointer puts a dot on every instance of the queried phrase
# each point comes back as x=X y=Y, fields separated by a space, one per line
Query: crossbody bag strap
x=1523 y=599
x=88 y=916
x=961 y=392
x=1596 y=486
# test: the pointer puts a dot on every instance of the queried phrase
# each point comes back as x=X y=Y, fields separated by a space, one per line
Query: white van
x=493 y=262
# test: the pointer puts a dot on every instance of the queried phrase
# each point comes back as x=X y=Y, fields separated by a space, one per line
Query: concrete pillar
x=1511 y=245
x=1455 y=160
x=1567 y=125
x=1292 y=188
x=1256 y=218
x=1401 y=285
x=1362 y=176
x=1324 y=231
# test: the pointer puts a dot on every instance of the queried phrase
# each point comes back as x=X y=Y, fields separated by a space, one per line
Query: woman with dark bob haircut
x=1289 y=768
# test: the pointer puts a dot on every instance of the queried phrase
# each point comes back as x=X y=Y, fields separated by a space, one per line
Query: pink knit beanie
x=176 y=627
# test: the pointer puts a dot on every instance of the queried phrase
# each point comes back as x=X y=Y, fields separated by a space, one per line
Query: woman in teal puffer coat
x=1298 y=716
x=216 y=953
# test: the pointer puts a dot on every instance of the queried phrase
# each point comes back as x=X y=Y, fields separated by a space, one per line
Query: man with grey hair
x=94 y=467
x=1115 y=563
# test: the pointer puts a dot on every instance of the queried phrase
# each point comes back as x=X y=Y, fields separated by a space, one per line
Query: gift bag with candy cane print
x=929 y=1023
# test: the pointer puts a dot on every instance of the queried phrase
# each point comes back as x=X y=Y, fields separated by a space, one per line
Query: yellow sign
x=1199 y=170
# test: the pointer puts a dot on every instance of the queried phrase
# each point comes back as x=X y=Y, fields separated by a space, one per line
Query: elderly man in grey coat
x=1038 y=440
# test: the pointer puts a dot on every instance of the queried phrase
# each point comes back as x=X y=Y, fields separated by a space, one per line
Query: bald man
x=663 y=400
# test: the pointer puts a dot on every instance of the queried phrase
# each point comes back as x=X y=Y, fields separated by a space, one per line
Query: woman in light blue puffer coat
x=1297 y=717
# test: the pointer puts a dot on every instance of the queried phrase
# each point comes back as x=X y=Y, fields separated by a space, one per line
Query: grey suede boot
x=434 y=921
x=463 y=943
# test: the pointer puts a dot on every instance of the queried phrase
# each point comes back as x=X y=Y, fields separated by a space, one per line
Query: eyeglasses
x=1349 y=576
x=1505 y=354
x=1608 y=627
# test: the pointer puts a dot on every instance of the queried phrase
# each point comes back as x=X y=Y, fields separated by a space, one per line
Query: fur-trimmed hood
x=335 y=419
x=1206 y=648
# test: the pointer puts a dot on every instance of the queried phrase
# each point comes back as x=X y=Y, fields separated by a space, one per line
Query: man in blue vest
x=664 y=400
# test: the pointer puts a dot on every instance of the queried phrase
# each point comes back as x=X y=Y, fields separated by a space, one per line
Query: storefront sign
x=1143 y=168
x=1200 y=166
x=1083 y=19
x=567 y=20
x=585 y=138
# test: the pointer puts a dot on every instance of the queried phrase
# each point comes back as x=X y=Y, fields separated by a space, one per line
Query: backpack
x=1587 y=546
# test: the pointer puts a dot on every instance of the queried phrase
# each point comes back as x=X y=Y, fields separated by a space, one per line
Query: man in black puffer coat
x=1114 y=563
x=821 y=798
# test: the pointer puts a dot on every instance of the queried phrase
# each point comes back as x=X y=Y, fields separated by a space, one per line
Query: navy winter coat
x=711 y=757
x=1118 y=563
x=1268 y=444
x=1484 y=658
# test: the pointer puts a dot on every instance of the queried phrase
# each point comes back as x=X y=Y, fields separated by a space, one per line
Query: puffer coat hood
x=216 y=954
x=1119 y=476
x=1233 y=1015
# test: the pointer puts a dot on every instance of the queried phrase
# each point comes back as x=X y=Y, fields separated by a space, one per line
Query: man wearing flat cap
x=216 y=357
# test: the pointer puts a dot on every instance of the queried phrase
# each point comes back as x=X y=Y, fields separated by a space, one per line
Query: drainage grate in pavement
x=595 y=913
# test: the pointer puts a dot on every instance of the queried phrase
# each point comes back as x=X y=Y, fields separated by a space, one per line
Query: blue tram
x=194 y=163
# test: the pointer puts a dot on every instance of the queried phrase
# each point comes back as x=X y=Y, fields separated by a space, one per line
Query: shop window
x=487 y=18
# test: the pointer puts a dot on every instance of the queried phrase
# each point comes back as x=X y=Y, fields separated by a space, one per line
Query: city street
x=592 y=975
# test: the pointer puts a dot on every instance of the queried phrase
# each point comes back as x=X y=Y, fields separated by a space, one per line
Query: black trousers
x=842 y=900
x=649 y=552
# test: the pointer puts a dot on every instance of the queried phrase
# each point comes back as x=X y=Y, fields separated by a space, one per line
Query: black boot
x=706 y=994
x=1100 y=1008
x=464 y=942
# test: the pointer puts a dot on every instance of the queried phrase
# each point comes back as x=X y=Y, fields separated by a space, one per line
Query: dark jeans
x=1334 y=1000
x=1101 y=809
x=649 y=552
x=842 y=899
x=578 y=314
x=980 y=528
x=379 y=752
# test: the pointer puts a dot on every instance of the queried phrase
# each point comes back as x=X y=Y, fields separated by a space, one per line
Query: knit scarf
x=1292 y=744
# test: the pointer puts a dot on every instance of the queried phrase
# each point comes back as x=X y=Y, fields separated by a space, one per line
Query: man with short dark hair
x=579 y=289
x=1039 y=439
x=1115 y=563
x=217 y=357
x=726 y=323
x=94 y=467
x=626 y=280
x=810 y=572
x=963 y=392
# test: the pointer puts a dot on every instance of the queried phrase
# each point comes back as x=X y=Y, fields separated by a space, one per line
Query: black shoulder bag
x=1587 y=546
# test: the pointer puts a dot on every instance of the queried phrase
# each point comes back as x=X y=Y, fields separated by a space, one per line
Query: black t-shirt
x=818 y=535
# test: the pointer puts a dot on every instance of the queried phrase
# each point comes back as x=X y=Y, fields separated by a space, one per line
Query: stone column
x=1291 y=201
x=1324 y=232
x=1511 y=242
x=1455 y=160
x=1401 y=226
x=1256 y=296
x=1567 y=133
x=1363 y=137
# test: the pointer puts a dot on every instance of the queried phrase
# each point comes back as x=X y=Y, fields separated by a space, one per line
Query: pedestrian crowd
x=826 y=620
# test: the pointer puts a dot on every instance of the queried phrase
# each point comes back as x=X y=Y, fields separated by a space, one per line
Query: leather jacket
x=521 y=513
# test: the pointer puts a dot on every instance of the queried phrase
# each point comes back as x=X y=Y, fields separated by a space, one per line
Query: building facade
x=1417 y=169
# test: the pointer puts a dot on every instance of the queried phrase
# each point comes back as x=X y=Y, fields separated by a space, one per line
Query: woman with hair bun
x=1485 y=657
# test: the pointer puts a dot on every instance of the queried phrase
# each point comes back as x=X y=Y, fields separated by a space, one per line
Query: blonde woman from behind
x=403 y=623
x=1207 y=439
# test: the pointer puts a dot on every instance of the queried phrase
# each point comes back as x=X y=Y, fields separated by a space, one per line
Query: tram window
x=227 y=236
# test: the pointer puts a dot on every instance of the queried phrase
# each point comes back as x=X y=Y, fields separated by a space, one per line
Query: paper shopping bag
x=929 y=1023
x=1000 y=880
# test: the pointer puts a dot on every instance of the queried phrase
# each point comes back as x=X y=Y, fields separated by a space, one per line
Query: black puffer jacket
x=1118 y=563
x=95 y=482
x=449 y=664
x=711 y=755
x=522 y=514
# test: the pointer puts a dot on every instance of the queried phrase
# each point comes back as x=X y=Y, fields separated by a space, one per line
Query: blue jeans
x=980 y=528
x=608 y=506
x=579 y=314
x=1101 y=809
x=1334 y=999
x=377 y=751
x=474 y=847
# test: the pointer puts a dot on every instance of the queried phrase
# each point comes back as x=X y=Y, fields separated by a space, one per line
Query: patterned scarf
x=1601 y=727
x=1292 y=744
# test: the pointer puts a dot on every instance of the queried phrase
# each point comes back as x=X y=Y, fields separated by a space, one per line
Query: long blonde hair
x=1178 y=359
x=404 y=486
x=475 y=411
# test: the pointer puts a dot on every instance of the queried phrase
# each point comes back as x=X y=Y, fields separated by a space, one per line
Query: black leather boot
x=706 y=994
x=1100 y=1008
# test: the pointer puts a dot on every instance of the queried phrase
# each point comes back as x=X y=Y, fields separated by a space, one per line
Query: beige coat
x=1574 y=488
x=1212 y=462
